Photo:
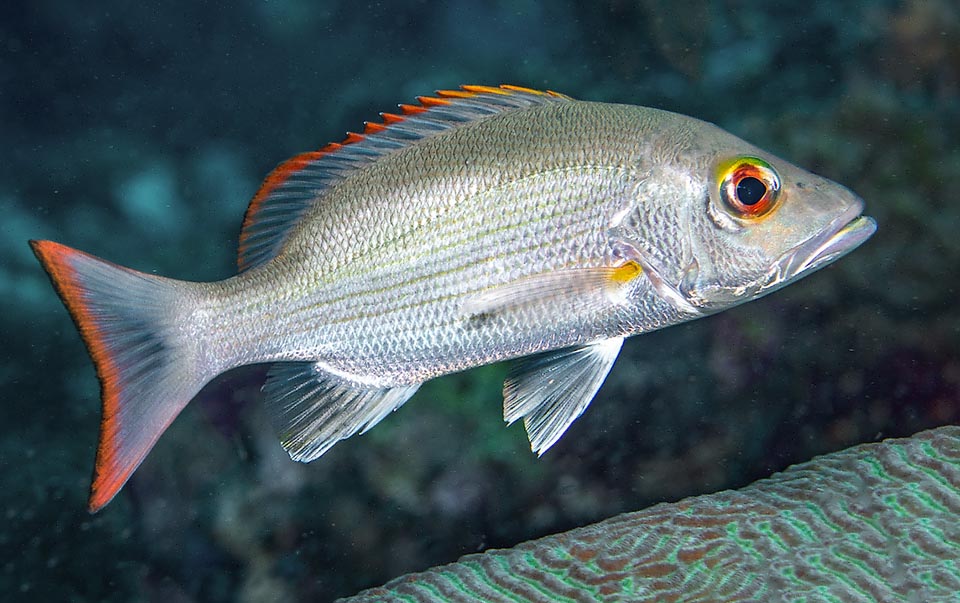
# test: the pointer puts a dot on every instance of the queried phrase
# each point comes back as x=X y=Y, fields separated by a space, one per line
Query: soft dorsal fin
x=294 y=185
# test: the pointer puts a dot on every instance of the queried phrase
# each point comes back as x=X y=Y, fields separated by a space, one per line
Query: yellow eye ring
x=749 y=187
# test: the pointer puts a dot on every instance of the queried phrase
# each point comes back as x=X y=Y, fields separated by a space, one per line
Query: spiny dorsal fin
x=294 y=185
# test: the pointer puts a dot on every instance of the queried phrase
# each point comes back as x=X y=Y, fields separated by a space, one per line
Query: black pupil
x=750 y=190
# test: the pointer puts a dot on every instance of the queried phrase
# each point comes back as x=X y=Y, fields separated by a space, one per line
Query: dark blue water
x=139 y=132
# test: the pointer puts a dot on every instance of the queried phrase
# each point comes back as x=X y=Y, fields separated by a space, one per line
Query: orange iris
x=749 y=187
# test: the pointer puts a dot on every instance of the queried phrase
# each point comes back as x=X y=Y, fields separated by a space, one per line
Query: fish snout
x=843 y=234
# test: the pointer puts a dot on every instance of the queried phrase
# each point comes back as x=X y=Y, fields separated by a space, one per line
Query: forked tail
x=136 y=328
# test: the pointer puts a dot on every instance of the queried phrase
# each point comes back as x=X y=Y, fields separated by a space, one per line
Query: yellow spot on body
x=626 y=272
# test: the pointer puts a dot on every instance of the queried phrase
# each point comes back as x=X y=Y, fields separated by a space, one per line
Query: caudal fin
x=131 y=323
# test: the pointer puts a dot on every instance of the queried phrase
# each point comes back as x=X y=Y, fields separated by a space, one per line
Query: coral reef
x=877 y=522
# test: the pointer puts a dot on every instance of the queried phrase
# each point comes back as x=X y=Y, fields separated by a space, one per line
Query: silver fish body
x=376 y=280
x=483 y=225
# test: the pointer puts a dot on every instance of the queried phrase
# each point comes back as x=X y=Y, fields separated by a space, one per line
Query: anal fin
x=550 y=390
x=314 y=409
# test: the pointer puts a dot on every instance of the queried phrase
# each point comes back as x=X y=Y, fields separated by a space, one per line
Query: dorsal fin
x=294 y=185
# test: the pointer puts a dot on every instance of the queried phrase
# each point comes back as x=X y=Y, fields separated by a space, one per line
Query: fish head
x=746 y=223
x=764 y=224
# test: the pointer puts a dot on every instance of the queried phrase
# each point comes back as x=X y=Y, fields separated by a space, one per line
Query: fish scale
x=483 y=224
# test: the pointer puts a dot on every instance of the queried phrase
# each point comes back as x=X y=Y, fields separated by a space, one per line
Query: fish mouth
x=844 y=234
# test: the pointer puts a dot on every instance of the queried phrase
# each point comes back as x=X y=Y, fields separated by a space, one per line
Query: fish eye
x=749 y=187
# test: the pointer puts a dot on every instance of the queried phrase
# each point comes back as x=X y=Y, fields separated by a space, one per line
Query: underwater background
x=139 y=132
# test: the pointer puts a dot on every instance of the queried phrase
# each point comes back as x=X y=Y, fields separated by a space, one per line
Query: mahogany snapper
x=480 y=225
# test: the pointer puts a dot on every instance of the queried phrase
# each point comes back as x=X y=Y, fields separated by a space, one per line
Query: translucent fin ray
x=313 y=409
x=294 y=186
x=549 y=391
x=600 y=284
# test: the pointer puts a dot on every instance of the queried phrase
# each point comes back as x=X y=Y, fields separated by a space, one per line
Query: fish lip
x=845 y=233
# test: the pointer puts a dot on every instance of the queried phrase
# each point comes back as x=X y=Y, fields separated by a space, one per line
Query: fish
x=875 y=522
x=481 y=224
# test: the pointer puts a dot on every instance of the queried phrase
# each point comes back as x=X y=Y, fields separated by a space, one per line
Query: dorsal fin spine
x=432 y=101
x=485 y=89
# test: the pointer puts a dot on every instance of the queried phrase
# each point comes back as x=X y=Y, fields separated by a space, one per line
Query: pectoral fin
x=549 y=391
x=314 y=409
x=588 y=285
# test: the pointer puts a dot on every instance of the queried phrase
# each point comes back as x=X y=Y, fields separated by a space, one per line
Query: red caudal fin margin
x=147 y=369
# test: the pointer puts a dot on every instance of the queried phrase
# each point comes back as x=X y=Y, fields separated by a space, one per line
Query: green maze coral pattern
x=877 y=522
